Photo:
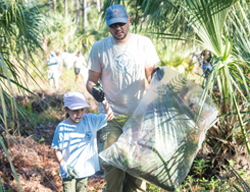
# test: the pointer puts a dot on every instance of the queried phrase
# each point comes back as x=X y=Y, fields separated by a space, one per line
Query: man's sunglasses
x=117 y=25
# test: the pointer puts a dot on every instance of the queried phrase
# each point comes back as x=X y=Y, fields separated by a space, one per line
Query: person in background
x=205 y=58
x=79 y=63
x=75 y=144
x=60 y=63
x=120 y=62
x=53 y=71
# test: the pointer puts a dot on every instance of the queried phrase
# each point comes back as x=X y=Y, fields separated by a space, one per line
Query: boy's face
x=76 y=115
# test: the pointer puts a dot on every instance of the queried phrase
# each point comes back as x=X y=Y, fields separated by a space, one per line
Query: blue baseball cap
x=116 y=14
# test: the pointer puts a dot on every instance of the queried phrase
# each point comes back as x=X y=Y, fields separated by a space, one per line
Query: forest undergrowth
x=35 y=163
x=30 y=151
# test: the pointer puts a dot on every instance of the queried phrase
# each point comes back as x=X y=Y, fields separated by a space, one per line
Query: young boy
x=75 y=144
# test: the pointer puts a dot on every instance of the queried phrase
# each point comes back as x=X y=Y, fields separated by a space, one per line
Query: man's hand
x=97 y=92
x=159 y=73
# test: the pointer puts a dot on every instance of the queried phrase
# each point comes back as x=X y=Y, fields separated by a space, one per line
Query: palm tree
x=21 y=29
x=62 y=33
x=211 y=24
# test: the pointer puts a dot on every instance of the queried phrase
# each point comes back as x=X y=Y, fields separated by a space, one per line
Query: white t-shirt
x=53 y=66
x=122 y=67
x=79 y=62
x=78 y=143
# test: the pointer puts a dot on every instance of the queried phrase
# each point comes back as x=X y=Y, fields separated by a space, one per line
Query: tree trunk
x=98 y=6
x=66 y=8
x=83 y=14
x=49 y=7
x=54 y=5
x=66 y=15
x=77 y=14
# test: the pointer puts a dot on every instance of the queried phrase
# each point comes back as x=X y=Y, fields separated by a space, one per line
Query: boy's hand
x=97 y=92
x=63 y=167
x=71 y=173
x=108 y=110
x=67 y=171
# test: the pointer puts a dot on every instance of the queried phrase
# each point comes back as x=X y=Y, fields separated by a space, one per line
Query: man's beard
x=117 y=38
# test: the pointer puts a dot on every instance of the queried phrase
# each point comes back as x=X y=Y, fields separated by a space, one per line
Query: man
x=53 y=70
x=60 y=62
x=206 y=57
x=79 y=64
x=121 y=62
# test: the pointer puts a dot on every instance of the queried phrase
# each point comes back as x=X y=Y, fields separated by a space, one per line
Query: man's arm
x=92 y=80
x=148 y=72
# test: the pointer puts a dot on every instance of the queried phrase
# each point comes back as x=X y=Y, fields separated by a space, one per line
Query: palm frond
x=21 y=30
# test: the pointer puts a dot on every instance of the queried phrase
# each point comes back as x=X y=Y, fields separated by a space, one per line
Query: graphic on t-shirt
x=123 y=62
x=88 y=135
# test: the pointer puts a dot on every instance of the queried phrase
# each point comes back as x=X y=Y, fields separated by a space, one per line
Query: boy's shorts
x=78 y=185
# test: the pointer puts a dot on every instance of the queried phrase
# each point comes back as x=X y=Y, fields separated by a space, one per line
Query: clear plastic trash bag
x=162 y=137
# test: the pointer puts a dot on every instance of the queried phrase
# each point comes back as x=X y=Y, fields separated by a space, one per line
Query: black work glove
x=153 y=71
x=160 y=73
x=97 y=92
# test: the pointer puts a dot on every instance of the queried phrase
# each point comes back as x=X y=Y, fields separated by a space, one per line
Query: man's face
x=119 y=30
